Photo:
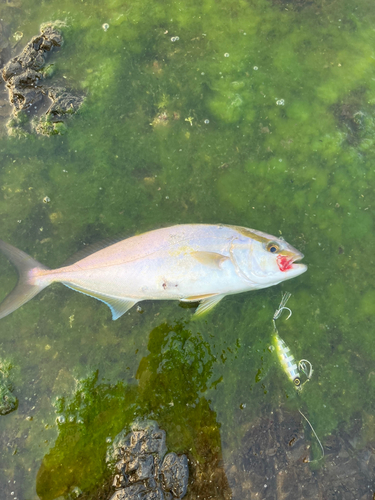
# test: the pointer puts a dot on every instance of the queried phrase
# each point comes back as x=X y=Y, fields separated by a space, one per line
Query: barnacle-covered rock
x=25 y=76
x=144 y=470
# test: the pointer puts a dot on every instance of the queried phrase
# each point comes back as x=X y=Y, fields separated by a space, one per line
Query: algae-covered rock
x=22 y=73
x=8 y=402
x=98 y=413
x=143 y=469
x=25 y=76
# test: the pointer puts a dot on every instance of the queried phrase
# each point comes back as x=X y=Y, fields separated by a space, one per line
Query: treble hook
x=284 y=299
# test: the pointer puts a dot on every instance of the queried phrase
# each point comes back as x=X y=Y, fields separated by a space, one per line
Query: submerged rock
x=144 y=470
x=22 y=73
x=25 y=77
x=8 y=402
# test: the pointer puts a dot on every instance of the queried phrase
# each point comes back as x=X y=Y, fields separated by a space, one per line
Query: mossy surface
x=259 y=114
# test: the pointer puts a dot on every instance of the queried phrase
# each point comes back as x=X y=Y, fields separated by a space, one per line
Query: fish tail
x=28 y=284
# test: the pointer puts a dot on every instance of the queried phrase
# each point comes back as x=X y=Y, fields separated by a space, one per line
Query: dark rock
x=63 y=103
x=12 y=69
x=25 y=79
x=140 y=468
x=141 y=471
x=175 y=474
x=51 y=36
x=32 y=56
x=24 y=90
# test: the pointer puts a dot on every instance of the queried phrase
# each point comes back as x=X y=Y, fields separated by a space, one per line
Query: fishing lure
x=288 y=362
x=286 y=358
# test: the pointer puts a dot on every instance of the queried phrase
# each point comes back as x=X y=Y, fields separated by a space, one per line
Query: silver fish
x=190 y=263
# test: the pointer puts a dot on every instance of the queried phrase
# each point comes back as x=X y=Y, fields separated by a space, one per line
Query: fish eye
x=297 y=382
x=272 y=247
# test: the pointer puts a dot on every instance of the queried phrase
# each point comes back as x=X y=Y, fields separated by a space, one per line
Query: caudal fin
x=24 y=290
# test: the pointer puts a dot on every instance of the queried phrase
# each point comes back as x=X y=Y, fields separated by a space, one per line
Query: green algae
x=303 y=169
x=90 y=419
x=8 y=401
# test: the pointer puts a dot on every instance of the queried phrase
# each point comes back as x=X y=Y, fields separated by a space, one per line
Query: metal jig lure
x=288 y=362
x=286 y=358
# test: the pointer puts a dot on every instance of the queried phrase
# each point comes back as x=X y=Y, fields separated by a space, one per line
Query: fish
x=188 y=262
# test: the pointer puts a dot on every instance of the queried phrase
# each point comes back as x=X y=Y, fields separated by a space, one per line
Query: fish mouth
x=298 y=266
x=290 y=262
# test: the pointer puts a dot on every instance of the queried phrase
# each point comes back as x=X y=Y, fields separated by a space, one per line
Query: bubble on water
x=206 y=121
x=60 y=419
x=280 y=102
x=18 y=35
x=105 y=26
x=226 y=54
x=175 y=38
x=255 y=68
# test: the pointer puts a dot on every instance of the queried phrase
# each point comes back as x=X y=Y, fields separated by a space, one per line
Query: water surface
x=255 y=113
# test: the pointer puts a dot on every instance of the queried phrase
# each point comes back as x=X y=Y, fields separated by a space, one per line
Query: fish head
x=267 y=260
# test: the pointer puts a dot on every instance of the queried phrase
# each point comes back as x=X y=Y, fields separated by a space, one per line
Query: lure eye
x=297 y=382
x=272 y=247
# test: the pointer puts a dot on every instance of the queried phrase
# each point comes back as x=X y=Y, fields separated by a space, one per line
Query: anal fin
x=207 y=304
x=117 y=305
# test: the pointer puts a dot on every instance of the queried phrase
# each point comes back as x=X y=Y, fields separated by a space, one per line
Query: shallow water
x=260 y=114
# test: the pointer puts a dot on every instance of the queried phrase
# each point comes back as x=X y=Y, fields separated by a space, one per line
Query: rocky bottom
x=144 y=470
x=273 y=463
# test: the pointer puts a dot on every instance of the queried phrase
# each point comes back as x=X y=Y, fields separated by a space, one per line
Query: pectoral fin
x=117 y=305
x=210 y=259
x=207 y=304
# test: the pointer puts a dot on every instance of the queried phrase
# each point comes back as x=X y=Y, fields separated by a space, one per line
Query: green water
x=190 y=131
